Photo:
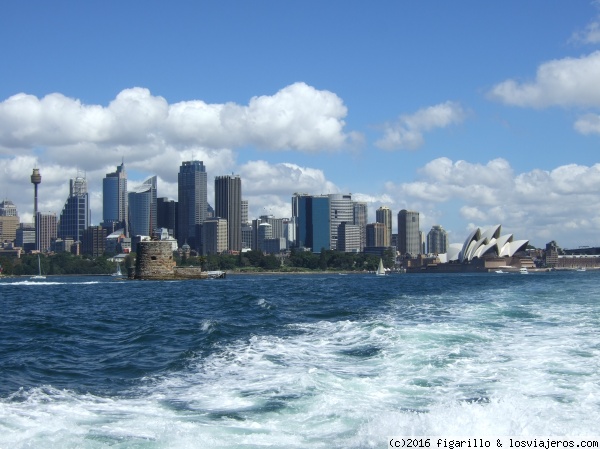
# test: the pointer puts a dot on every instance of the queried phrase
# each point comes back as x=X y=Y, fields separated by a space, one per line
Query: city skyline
x=472 y=114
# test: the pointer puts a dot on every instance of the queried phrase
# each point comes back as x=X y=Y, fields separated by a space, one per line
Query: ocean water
x=303 y=361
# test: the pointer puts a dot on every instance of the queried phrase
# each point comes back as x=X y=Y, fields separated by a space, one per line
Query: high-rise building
x=228 y=205
x=360 y=214
x=341 y=210
x=245 y=212
x=8 y=209
x=25 y=237
x=348 y=237
x=75 y=216
x=384 y=215
x=115 y=208
x=166 y=215
x=9 y=221
x=142 y=209
x=45 y=230
x=93 y=241
x=214 y=235
x=409 y=240
x=376 y=234
x=192 y=202
x=313 y=220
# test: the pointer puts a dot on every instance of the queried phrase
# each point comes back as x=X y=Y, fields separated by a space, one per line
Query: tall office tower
x=376 y=235
x=342 y=210
x=142 y=209
x=289 y=231
x=115 y=208
x=75 y=216
x=384 y=215
x=166 y=215
x=8 y=209
x=25 y=237
x=348 y=237
x=214 y=235
x=228 y=205
x=36 y=179
x=263 y=232
x=45 y=230
x=9 y=221
x=277 y=225
x=245 y=212
x=360 y=214
x=247 y=234
x=409 y=241
x=93 y=241
x=192 y=202
x=313 y=221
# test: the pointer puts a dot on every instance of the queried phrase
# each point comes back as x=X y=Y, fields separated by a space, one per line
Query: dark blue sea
x=304 y=361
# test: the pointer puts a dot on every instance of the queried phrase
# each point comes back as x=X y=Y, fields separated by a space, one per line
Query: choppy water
x=311 y=361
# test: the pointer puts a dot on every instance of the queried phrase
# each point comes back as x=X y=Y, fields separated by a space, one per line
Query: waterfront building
x=348 y=238
x=409 y=240
x=341 y=210
x=93 y=241
x=214 y=235
x=228 y=205
x=360 y=218
x=115 y=207
x=437 y=240
x=384 y=215
x=166 y=215
x=25 y=237
x=45 y=230
x=376 y=233
x=142 y=208
x=264 y=231
x=192 y=202
x=313 y=220
x=247 y=239
x=9 y=221
x=75 y=216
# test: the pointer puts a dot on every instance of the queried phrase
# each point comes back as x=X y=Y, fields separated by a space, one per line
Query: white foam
x=347 y=384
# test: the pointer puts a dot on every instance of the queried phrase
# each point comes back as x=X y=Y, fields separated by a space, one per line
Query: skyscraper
x=361 y=219
x=115 y=207
x=142 y=208
x=192 y=202
x=384 y=215
x=437 y=240
x=75 y=216
x=228 y=205
x=313 y=221
x=341 y=210
x=409 y=241
x=9 y=221
x=45 y=230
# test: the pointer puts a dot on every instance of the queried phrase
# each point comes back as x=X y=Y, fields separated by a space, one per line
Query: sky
x=472 y=113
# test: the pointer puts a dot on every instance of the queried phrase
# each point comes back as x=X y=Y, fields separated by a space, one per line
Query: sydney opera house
x=484 y=250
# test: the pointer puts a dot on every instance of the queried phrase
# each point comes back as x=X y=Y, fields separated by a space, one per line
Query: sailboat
x=118 y=272
x=39 y=275
x=380 y=270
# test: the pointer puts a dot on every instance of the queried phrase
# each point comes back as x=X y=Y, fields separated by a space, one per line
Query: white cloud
x=591 y=33
x=561 y=82
x=407 y=131
x=588 y=124
x=298 y=117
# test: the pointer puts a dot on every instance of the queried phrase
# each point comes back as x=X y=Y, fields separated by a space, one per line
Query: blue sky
x=473 y=113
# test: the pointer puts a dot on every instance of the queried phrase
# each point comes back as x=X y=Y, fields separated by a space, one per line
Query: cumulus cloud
x=591 y=33
x=407 y=132
x=561 y=82
x=537 y=204
x=298 y=117
x=588 y=124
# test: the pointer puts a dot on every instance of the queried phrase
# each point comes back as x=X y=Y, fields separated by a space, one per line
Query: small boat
x=118 y=272
x=581 y=269
x=523 y=270
x=380 y=270
x=39 y=275
x=499 y=271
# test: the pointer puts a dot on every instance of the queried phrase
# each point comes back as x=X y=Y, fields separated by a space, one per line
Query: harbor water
x=306 y=361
